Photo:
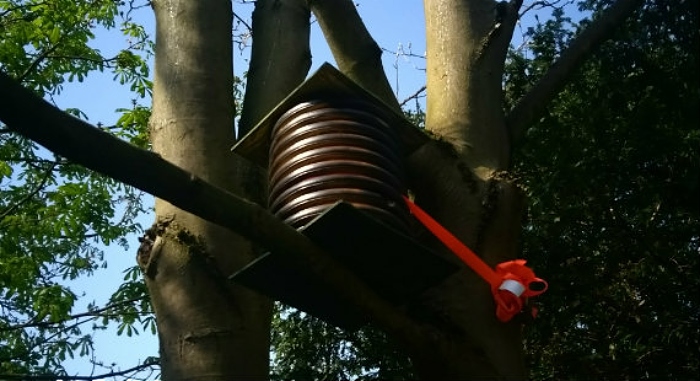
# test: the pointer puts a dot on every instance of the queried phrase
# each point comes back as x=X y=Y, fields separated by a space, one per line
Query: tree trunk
x=459 y=180
x=207 y=328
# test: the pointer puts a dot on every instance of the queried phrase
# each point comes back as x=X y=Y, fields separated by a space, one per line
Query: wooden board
x=391 y=263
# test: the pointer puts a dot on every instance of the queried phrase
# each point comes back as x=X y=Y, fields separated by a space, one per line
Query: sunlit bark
x=206 y=327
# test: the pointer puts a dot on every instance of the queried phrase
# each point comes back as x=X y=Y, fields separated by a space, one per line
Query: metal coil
x=326 y=151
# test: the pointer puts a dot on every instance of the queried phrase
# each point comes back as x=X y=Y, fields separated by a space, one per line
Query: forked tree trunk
x=462 y=183
x=207 y=328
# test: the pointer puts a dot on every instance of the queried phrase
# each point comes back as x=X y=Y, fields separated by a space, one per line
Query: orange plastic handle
x=511 y=283
x=457 y=247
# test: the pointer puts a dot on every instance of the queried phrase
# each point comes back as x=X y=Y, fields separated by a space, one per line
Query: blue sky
x=397 y=25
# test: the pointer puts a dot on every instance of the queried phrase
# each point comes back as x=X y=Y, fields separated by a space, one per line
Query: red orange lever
x=511 y=283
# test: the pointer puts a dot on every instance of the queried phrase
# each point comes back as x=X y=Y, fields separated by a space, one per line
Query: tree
x=612 y=208
x=466 y=163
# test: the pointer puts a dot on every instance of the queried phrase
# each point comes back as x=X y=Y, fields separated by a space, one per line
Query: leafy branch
x=42 y=184
x=537 y=5
x=91 y=313
x=533 y=104
x=37 y=61
x=150 y=363
x=19 y=7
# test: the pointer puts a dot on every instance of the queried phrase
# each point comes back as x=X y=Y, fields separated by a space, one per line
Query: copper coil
x=326 y=151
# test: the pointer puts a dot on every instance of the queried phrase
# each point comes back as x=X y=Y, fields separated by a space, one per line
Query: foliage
x=307 y=348
x=613 y=177
x=56 y=217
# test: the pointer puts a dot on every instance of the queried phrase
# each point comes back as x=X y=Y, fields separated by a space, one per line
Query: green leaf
x=54 y=35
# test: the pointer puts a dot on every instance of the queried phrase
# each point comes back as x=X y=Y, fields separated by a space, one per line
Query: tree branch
x=538 y=5
x=243 y=22
x=37 y=61
x=124 y=372
x=30 y=195
x=534 y=103
x=280 y=57
x=357 y=54
x=415 y=95
x=94 y=313
x=84 y=144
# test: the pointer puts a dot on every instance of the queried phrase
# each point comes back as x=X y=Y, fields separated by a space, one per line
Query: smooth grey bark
x=207 y=328
x=356 y=53
x=466 y=48
x=280 y=57
x=467 y=43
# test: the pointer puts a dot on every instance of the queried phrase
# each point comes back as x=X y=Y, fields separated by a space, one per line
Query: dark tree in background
x=613 y=175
